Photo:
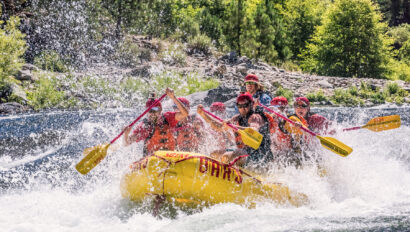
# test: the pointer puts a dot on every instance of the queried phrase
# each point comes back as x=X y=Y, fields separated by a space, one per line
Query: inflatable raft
x=184 y=177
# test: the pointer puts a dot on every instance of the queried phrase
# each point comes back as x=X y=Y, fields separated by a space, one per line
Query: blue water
x=40 y=190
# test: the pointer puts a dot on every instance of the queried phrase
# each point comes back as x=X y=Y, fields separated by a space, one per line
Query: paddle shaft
x=352 y=128
x=220 y=119
x=142 y=115
x=288 y=120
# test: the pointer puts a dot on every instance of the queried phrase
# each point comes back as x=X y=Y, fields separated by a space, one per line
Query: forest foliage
x=349 y=38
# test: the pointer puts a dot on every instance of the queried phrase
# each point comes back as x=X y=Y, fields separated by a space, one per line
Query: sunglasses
x=300 y=105
x=250 y=83
x=279 y=107
x=246 y=105
x=154 y=110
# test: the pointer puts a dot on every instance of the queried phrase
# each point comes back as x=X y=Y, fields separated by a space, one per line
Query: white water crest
x=367 y=190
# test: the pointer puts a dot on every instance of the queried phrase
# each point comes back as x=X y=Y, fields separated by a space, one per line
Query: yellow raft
x=185 y=177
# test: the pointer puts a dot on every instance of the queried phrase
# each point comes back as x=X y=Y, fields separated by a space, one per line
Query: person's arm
x=140 y=133
x=183 y=112
x=214 y=124
x=255 y=122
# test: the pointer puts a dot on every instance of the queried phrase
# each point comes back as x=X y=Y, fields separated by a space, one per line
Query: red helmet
x=152 y=101
x=244 y=96
x=251 y=78
x=281 y=101
x=303 y=99
x=217 y=107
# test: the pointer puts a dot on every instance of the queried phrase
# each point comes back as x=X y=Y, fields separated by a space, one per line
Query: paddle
x=380 y=124
x=249 y=136
x=94 y=155
x=329 y=143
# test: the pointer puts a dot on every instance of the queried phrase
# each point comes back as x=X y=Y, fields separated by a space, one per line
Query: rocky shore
x=229 y=69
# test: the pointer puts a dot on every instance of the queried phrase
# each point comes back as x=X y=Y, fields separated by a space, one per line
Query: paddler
x=315 y=122
x=281 y=138
x=247 y=117
x=189 y=132
x=303 y=144
x=254 y=87
x=157 y=129
x=219 y=141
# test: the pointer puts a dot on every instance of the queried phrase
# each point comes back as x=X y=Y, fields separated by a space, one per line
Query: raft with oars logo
x=185 y=177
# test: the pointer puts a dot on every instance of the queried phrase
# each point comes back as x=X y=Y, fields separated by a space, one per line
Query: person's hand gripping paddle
x=249 y=136
x=94 y=155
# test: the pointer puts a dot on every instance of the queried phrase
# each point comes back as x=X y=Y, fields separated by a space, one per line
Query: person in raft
x=223 y=139
x=315 y=122
x=303 y=144
x=254 y=87
x=157 y=130
x=247 y=117
x=280 y=136
x=189 y=132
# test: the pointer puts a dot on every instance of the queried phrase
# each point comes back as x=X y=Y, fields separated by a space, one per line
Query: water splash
x=368 y=190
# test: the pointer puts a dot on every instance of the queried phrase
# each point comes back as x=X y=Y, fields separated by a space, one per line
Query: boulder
x=221 y=94
x=12 y=108
x=25 y=73
x=325 y=84
x=18 y=92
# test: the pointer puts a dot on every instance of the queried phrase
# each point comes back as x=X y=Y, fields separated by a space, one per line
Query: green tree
x=350 y=42
x=233 y=18
x=302 y=16
x=12 y=47
x=263 y=20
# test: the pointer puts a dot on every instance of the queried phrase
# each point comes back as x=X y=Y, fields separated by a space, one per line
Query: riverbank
x=157 y=64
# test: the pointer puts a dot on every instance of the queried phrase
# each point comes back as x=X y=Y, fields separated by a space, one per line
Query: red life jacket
x=281 y=138
x=187 y=137
x=160 y=138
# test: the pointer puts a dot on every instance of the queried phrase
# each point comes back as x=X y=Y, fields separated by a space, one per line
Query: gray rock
x=12 y=108
x=325 y=84
x=19 y=92
x=29 y=67
x=242 y=70
x=221 y=94
x=197 y=98
x=25 y=75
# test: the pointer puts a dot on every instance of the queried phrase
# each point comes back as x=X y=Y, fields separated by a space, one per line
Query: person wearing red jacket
x=157 y=130
x=189 y=132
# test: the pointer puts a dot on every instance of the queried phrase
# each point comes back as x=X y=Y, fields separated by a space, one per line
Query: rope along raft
x=192 y=178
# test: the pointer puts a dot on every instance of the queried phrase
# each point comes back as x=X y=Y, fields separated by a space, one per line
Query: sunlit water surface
x=40 y=190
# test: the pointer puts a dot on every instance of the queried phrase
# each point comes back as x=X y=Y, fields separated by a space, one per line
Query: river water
x=40 y=190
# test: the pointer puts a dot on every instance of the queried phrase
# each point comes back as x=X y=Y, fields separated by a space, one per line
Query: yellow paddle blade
x=93 y=156
x=335 y=145
x=251 y=137
x=384 y=123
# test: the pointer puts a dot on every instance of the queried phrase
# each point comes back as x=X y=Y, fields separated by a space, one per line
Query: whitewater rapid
x=41 y=191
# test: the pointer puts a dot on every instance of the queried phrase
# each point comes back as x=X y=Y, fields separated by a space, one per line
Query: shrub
x=392 y=88
x=285 y=93
x=344 y=97
x=45 y=94
x=183 y=84
x=50 y=60
x=127 y=52
x=12 y=48
x=199 y=44
x=317 y=96
x=174 y=55
x=400 y=70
